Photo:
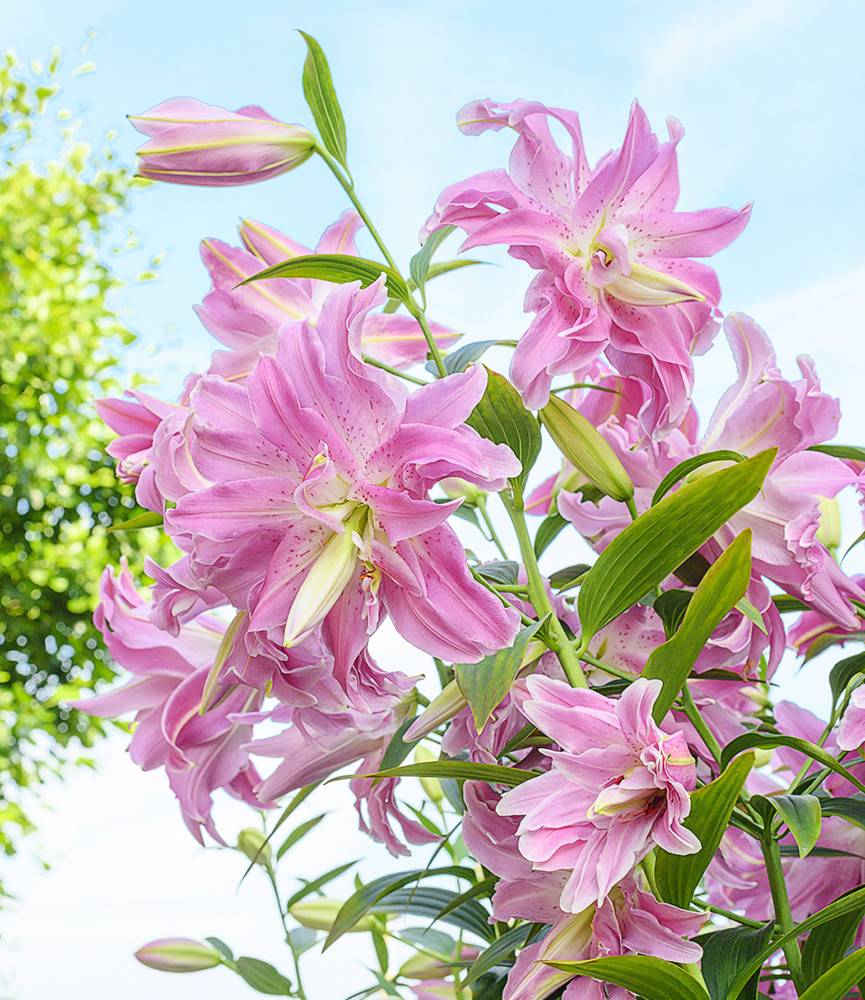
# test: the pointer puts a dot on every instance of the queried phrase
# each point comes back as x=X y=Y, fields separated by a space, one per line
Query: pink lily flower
x=247 y=319
x=851 y=732
x=614 y=258
x=200 y=753
x=761 y=410
x=135 y=421
x=618 y=787
x=313 y=503
x=813 y=630
x=195 y=143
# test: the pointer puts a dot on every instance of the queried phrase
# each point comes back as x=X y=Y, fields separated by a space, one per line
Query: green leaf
x=500 y=571
x=850 y=903
x=843 y=672
x=221 y=947
x=419 y=265
x=441 y=267
x=147 y=519
x=462 y=357
x=661 y=539
x=587 y=450
x=827 y=944
x=836 y=982
x=802 y=815
x=462 y=770
x=677 y=876
x=308 y=888
x=296 y=801
x=297 y=834
x=322 y=100
x=651 y=978
x=429 y=902
x=563 y=578
x=725 y=582
x=359 y=903
x=725 y=952
x=334 y=267
x=498 y=952
x=501 y=417
x=752 y=614
x=684 y=469
x=398 y=748
x=483 y=888
x=787 y=604
x=262 y=976
x=549 y=529
x=670 y=606
x=771 y=741
x=486 y=683
x=853 y=810
x=845 y=451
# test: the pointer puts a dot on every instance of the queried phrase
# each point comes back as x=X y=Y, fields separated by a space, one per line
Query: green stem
x=300 y=992
x=697 y=721
x=347 y=184
x=781 y=903
x=558 y=640
x=608 y=668
x=632 y=508
x=744 y=921
x=393 y=371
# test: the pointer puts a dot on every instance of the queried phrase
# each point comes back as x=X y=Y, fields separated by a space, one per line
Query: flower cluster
x=588 y=718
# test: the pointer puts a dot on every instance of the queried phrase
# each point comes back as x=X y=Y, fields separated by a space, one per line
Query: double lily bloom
x=310 y=482
x=613 y=256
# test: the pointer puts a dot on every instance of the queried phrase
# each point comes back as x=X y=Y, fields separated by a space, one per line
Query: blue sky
x=770 y=94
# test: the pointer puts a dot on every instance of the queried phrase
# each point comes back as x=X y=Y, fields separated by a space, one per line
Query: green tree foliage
x=57 y=488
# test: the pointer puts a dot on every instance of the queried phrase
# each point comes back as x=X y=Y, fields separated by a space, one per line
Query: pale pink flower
x=313 y=498
x=200 y=753
x=195 y=143
x=135 y=421
x=613 y=255
x=618 y=787
x=851 y=732
x=761 y=410
x=247 y=318
x=814 y=630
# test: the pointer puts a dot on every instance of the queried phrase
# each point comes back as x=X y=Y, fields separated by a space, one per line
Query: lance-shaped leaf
x=651 y=978
x=338 y=268
x=712 y=805
x=461 y=770
x=549 y=530
x=653 y=546
x=853 y=810
x=297 y=834
x=262 y=977
x=836 y=983
x=771 y=741
x=802 y=815
x=499 y=951
x=827 y=944
x=462 y=357
x=308 y=888
x=849 y=452
x=727 y=951
x=722 y=586
x=431 y=903
x=321 y=97
x=419 y=265
x=501 y=417
x=581 y=444
x=843 y=672
x=684 y=469
x=359 y=903
x=486 y=683
x=146 y=519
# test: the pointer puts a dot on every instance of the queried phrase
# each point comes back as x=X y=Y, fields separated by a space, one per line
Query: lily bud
x=328 y=576
x=253 y=844
x=178 y=955
x=829 y=530
x=428 y=967
x=319 y=914
x=585 y=449
x=458 y=489
x=441 y=709
x=432 y=786
x=195 y=143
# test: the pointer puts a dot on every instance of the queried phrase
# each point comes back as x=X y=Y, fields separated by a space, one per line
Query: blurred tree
x=57 y=489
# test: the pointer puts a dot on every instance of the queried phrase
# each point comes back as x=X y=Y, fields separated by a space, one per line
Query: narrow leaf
x=837 y=982
x=853 y=810
x=262 y=976
x=486 y=683
x=846 y=451
x=308 y=888
x=334 y=267
x=321 y=97
x=651 y=978
x=462 y=770
x=297 y=834
x=420 y=263
x=497 y=953
x=549 y=529
x=724 y=583
x=147 y=519
x=429 y=902
x=802 y=815
x=827 y=944
x=661 y=539
x=684 y=469
x=677 y=876
x=771 y=741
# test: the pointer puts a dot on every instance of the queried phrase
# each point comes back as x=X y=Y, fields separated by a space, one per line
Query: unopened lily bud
x=253 y=844
x=829 y=530
x=319 y=914
x=457 y=489
x=446 y=704
x=432 y=786
x=195 y=143
x=178 y=955
x=428 y=967
x=585 y=449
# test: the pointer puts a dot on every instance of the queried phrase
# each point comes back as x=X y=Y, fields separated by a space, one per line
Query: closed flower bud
x=195 y=143
x=432 y=786
x=178 y=955
x=446 y=704
x=585 y=449
x=457 y=489
x=319 y=914
x=253 y=844
x=829 y=531
x=428 y=967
